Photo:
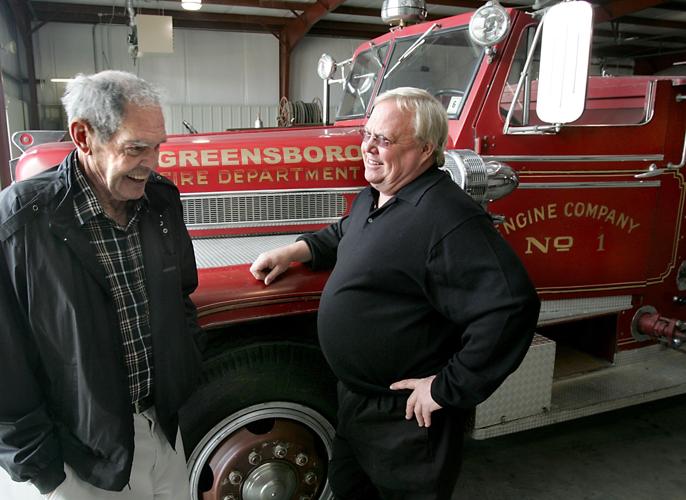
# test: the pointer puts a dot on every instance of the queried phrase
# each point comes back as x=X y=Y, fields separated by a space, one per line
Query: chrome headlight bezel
x=489 y=25
x=483 y=181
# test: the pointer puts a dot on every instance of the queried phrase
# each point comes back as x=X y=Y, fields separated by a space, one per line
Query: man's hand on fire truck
x=269 y=265
x=420 y=404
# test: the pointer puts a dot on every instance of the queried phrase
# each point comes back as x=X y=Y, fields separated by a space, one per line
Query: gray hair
x=430 y=118
x=101 y=99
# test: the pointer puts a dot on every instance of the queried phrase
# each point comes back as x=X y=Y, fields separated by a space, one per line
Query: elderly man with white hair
x=99 y=332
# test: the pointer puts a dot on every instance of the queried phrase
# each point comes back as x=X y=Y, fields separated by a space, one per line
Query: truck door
x=588 y=216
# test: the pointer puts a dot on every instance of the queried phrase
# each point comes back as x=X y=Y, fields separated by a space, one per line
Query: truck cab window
x=444 y=64
x=610 y=100
x=359 y=86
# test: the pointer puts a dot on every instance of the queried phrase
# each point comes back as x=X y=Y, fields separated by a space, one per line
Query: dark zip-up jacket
x=64 y=395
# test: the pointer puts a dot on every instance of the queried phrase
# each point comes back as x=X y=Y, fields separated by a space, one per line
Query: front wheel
x=261 y=426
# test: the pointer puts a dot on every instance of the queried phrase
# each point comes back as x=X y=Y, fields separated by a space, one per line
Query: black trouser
x=378 y=454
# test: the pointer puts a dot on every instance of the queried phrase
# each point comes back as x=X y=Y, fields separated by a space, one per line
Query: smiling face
x=390 y=168
x=118 y=169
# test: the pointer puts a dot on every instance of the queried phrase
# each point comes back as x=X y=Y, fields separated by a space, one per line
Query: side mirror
x=565 y=51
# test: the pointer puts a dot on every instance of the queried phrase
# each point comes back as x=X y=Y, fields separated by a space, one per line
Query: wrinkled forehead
x=143 y=124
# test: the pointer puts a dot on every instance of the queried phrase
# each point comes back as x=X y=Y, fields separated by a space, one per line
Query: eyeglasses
x=381 y=140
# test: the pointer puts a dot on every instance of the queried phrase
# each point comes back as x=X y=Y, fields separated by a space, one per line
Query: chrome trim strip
x=588 y=185
x=559 y=311
x=214 y=194
x=574 y=158
x=267 y=223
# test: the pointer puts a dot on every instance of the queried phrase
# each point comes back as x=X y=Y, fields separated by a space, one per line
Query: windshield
x=443 y=63
x=359 y=86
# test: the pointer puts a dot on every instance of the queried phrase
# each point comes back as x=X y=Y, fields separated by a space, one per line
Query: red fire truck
x=582 y=176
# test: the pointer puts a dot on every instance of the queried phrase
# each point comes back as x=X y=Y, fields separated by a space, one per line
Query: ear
x=428 y=151
x=82 y=135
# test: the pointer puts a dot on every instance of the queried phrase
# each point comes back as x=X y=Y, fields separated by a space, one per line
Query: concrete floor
x=636 y=453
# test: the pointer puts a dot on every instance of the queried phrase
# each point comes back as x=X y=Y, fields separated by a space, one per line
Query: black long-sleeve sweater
x=423 y=285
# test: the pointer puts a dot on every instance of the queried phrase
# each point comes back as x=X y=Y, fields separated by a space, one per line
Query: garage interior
x=233 y=63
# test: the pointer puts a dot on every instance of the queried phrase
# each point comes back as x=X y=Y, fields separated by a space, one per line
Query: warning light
x=26 y=139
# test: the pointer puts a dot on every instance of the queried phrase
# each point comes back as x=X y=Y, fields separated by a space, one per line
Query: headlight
x=483 y=181
x=326 y=67
x=489 y=24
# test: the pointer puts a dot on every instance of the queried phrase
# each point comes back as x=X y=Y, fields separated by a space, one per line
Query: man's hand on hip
x=420 y=403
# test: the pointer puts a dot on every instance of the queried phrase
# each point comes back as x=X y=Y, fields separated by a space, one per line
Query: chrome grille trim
x=264 y=208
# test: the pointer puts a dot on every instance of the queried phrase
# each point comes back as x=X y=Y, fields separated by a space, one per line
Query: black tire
x=253 y=397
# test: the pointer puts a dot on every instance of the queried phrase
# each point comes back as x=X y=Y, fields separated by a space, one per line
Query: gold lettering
x=552 y=208
x=568 y=209
x=292 y=155
x=313 y=154
x=188 y=158
x=563 y=243
x=252 y=175
x=167 y=159
x=282 y=175
x=530 y=240
x=271 y=156
x=312 y=175
x=230 y=157
x=353 y=152
x=209 y=157
x=334 y=152
x=341 y=173
x=251 y=156
x=611 y=216
x=238 y=176
x=265 y=175
x=224 y=176
x=186 y=178
x=201 y=178
x=591 y=210
x=328 y=173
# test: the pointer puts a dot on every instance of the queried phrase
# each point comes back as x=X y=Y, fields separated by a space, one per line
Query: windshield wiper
x=411 y=49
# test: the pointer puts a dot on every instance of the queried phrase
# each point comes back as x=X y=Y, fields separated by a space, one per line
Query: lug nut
x=301 y=459
x=280 y=451
x=254 y=458
x=310 y=478
x=235 y=477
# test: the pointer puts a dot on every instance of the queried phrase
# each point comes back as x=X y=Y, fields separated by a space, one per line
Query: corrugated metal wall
x=217 y=118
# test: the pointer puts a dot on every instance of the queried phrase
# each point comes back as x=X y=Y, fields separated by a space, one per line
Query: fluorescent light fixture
x=191 y=4
x=61 y=80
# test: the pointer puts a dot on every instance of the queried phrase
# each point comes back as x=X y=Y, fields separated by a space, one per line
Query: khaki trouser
x=158 y=472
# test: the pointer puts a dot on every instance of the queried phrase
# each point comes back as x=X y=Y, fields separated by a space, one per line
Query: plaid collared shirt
x=118 y=249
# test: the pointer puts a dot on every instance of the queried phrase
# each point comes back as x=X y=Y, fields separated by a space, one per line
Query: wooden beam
x=657 y=23
x=64 y=12
x=261 y=4
x=614 y=9
x=293 y=32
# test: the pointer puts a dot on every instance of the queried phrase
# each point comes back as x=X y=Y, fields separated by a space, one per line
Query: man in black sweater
x=426 y=312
